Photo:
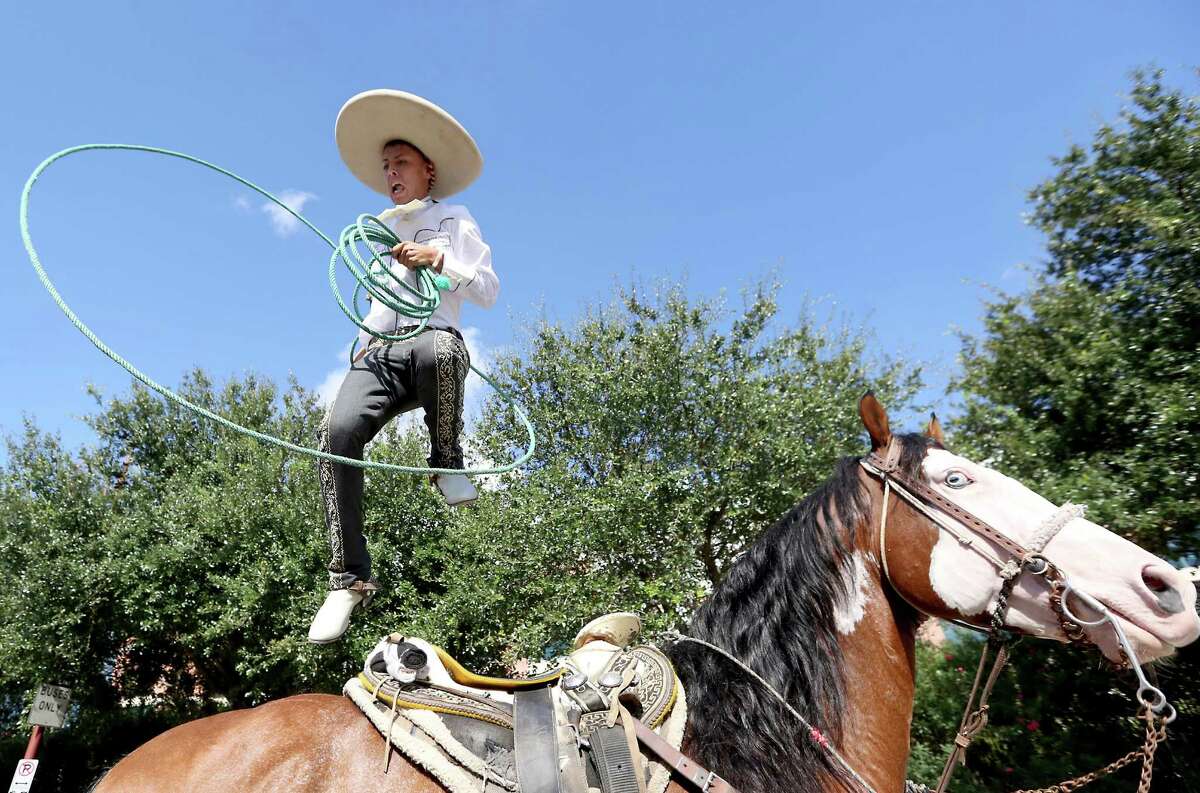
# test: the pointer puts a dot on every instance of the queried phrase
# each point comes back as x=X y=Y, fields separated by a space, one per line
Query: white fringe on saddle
x=421 y=737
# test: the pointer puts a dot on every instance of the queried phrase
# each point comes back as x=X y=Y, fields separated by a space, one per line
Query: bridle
x=948 y=516
x=951 y=517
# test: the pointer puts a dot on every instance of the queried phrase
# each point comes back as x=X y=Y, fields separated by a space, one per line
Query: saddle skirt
x=459 y=726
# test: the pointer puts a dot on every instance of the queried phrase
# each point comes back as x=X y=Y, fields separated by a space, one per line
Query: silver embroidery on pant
x=451 y=356
x=333 y=517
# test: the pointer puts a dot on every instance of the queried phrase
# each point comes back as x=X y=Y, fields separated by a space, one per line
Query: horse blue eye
x=957 y=479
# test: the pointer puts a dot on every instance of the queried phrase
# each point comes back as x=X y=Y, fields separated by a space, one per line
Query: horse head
x=947 y=551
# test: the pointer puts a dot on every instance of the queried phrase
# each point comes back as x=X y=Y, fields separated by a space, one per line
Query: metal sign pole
x=35 y=743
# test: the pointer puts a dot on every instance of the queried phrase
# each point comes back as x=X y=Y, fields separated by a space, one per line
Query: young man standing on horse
x=415 y=153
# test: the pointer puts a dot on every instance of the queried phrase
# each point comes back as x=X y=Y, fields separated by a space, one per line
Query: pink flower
x=1008 y=769
x=1032 y=725
x=959 y=669
x=817 y=737
x=948 y=657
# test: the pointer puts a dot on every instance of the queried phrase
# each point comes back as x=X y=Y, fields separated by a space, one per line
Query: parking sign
x=23 y=777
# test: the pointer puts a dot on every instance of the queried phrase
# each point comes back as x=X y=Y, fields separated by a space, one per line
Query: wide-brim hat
x=369 y=120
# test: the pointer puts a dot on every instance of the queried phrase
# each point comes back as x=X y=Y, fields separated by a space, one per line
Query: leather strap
x=571 y=774
x=535 y=738
x=704 y=780
x=616 y=761
x=890 y=468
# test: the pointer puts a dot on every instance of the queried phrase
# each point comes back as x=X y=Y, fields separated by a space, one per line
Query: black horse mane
x=775 y=610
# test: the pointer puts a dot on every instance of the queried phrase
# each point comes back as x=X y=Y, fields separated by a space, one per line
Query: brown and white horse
x=817 y=606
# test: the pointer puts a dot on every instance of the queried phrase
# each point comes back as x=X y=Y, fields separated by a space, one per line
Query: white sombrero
x=372 y=118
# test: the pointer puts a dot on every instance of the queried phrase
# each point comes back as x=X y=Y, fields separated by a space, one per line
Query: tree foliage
x=1085 y=387
x=1087 y=383
x=171 y=568
x=670 y=432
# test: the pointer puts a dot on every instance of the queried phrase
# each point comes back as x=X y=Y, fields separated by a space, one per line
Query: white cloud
x=328 y=387
x=284 y=223
x=482 y=356
x=242 y=203
x=475 y=458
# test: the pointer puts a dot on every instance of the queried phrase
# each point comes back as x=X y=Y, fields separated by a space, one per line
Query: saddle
x=574 y=729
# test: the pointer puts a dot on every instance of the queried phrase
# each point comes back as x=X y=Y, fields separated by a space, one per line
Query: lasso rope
x=371 y=273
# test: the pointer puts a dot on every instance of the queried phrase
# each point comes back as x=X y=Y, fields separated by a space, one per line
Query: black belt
x=376 y=341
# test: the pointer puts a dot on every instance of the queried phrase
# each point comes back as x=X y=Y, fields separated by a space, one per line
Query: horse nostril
x=1169 y=599
x=1154 y=581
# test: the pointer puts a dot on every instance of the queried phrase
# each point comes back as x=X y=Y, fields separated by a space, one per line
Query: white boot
x=333 y=618
x=456 y=488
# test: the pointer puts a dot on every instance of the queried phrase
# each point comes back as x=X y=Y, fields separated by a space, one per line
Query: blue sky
x=876 y=156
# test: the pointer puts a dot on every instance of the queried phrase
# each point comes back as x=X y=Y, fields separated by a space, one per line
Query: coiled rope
x=370 y=272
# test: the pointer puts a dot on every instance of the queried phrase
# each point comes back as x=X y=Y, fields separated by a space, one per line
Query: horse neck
x=877 y=665
x=880 y=678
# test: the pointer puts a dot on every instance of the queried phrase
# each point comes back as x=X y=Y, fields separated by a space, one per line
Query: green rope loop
x=373 y=275
x=370 y=272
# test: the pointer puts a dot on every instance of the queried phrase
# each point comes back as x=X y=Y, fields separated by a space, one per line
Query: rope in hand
x=371 y=274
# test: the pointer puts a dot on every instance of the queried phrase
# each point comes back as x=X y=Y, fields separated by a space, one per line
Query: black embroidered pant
x=426 y=371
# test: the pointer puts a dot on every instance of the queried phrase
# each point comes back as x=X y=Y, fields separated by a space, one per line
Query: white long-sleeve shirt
x=466 y=261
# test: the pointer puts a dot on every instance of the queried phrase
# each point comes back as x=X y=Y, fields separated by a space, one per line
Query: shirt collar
x=405 y=211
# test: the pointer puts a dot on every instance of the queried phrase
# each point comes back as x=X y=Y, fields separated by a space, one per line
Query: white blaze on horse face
x=849 y=612
x=1109 y=568
x=964 y=580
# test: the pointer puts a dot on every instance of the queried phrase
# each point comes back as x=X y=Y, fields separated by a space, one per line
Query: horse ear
x=934 y=430
x=875 y=419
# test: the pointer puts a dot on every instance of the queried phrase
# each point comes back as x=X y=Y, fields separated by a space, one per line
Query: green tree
x=671 y=431
x=1085 y=387
x=170 y=569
